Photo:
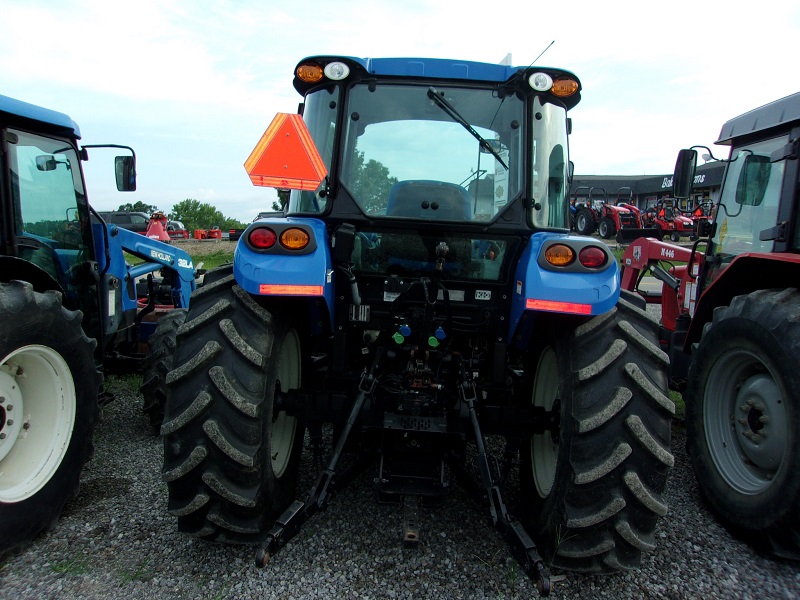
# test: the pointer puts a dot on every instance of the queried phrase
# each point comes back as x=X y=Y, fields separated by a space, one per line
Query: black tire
x=230 y=463
x=584 y=221
x=607 y=228
x=592 y=498
x=49 y=385
x=158 y=362
x=743 y=382
x=675 y=236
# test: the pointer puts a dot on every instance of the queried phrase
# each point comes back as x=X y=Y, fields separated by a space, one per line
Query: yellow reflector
x=564 y=87
x=309 y=73
x=562 y=307
x=277 y=289
x=294 y=239
x=559 y=255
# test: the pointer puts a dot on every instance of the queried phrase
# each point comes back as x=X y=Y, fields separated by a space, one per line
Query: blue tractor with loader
x=77 y=297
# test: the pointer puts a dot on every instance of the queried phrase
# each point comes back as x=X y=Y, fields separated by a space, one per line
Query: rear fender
x=279 y=272
x=568 y=290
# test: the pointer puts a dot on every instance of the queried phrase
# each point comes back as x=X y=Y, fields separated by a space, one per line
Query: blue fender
x=567 y=291
x=281 y=272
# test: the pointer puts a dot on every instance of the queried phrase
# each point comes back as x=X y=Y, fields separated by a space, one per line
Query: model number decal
x=667 y=253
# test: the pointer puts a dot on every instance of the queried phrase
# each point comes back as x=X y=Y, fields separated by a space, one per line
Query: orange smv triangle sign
x=286 y=156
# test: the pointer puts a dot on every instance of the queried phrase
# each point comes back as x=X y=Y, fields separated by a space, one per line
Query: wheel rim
x=544 y=450
x=284 y=427
x=581 y=225
x=745 y=422
x=38 y=416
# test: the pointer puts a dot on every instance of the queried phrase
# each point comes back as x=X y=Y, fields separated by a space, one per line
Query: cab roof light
x=309 y=73
x=541 y=82
x=564 y=87
x=336 y=71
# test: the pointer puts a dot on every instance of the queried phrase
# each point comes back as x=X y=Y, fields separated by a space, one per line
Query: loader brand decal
x=162 y=256
x=186 y=264
x=637 y=253
x=667 y=253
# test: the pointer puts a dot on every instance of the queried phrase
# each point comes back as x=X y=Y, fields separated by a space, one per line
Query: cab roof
x=433 y=68
x=777 y=113
x=19 y=111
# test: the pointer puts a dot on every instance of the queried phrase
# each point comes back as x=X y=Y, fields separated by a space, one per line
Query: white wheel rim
x=544 y=451
x=38 y=416
x=284 y=427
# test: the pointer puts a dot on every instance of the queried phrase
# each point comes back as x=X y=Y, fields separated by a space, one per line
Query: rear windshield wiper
x=448 y=108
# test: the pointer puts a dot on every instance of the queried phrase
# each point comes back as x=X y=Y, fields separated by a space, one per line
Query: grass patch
x=680 y=405
x=139 y=573
x=123 y=384
x=75 y=566
x=214 y=259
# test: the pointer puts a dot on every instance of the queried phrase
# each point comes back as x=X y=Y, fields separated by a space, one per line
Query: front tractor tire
x=607 y=228
x=48 y=405
x=593 y=488
x=585 y=221
x=230 y=458
x=743 y=419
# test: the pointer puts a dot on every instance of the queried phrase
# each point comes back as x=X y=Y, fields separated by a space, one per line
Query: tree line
x=192 y=213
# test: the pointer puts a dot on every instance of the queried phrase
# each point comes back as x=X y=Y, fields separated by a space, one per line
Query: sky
x=192 y=85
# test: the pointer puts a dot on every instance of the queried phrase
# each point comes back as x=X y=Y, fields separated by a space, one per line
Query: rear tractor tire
x=743 y=419
x=48 y=406
x=230 y=458
x=592 y=490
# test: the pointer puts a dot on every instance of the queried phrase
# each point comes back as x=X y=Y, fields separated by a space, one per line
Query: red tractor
x=669 y=220
x=730 y=326
x=598 y=214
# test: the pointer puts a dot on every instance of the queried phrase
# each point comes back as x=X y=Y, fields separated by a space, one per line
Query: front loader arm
x=155 y=254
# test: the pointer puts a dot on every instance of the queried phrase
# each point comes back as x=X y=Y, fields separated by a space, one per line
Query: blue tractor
x=76 y=296
x=420 y=301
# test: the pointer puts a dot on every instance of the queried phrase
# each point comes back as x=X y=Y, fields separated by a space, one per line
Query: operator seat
x=429 y=200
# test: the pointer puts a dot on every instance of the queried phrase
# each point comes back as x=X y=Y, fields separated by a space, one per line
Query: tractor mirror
x=683 y=177
x=125 y=170
x=46 y=162
x=753 y=180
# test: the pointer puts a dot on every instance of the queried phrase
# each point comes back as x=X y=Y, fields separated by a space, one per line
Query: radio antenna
x=542 y=52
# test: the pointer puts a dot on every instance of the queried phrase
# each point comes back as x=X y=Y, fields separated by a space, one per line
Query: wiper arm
x=448 y=108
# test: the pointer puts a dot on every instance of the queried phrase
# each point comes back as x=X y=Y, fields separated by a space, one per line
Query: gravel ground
x=115 y=540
